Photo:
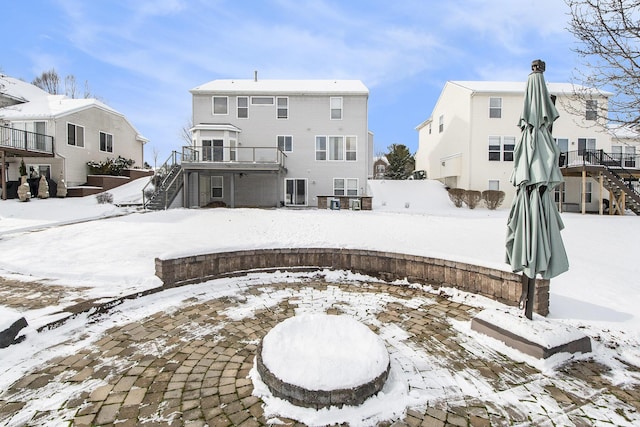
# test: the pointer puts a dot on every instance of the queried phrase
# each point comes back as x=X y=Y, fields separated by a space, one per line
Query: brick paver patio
x=190 y=366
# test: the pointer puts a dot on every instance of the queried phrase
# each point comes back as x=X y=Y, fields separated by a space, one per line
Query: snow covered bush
x=457 y=196
x=471 y=198
x=104 y=198
x=493 y=198
x=110 y=166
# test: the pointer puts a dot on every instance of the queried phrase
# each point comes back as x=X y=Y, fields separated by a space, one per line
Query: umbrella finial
x=538 y=66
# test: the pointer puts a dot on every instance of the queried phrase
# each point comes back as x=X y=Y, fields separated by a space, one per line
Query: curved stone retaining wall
x=496 y=284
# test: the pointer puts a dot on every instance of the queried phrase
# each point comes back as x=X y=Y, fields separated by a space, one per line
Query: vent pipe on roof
x=255 y=76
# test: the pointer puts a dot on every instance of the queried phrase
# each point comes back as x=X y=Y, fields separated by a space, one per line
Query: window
x=495 y=108
x=588 y=191
x=36 y=171
x=321 y=148
x=217 y=187
x=559 y=193
x=494 y=148
x=295 y=192
x=233 y=150
x=336 y=148
x=351 y=148
x=75 y=135
x=625 y=155
x=336 y=108
x=212 y=150
x=509 y=144
x=283 y=108
x=429 y=128
x=630 y=156
x=345 y=186
x=494 y=184
x=220 y=105
x=106 y=142
x=243 y=107
x=40 y=129
x=285 y=143
x=262 y=100
x=586 y=145
x=563 y=144
x=441 y=124
x=592 y=109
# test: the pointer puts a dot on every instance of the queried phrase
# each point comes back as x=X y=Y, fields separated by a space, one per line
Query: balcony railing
x=600 y=158
x=19 y=139
x=233 y=154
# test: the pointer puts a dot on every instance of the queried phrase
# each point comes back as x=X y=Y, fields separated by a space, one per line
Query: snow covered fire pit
x=320 y=360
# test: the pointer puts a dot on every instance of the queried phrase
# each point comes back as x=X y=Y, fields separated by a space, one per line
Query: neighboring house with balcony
x=271 y=143
x=56 y=136
x=469 y=139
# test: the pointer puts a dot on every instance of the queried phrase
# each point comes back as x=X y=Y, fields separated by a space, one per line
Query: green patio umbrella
x=534 y=244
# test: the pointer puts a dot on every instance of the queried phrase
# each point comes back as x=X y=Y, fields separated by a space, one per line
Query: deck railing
x=600 y=158
x=233 y=154
x=24 y=140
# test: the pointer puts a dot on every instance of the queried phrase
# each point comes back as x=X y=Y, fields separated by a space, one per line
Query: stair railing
x=158 y=183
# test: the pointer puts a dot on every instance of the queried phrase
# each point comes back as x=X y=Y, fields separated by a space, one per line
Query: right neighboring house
x=469 y=140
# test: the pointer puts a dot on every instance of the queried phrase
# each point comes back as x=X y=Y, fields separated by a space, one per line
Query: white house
x=56 y=136
x=268 y=143
x=468 y=140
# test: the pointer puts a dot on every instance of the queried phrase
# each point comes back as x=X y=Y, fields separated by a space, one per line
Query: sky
x=597 y=296
x=142 y=57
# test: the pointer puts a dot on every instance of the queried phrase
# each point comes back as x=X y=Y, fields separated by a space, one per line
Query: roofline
x=264 y=91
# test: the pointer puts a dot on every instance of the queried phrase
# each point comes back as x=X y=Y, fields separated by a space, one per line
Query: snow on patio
x=114 y=256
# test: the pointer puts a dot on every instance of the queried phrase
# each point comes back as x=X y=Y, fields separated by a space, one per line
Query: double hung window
x=106 y=142
x=336 y=108
x=75 y=135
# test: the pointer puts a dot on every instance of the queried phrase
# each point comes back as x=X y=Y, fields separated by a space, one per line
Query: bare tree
x=70 y=86
x=608 y=32
x=49 y=81
x=185 y=132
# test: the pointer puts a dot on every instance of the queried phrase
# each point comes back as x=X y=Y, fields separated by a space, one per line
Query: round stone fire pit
x=320 y=360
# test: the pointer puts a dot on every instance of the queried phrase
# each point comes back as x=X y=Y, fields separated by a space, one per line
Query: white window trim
x=345 y=183
x=221 y=187
x=278 y=108
x=495 y=108
x=325 y=151
x=254 y=98
x=355 y=151
x=285 y=143
x=341 y=108
x=238 y=107
x=306 y=192
x=213 y=105
x=106 y=146
x=75 y=136
x=329 y=159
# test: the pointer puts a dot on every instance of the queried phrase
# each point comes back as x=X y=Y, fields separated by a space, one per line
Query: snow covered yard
x=113 y=255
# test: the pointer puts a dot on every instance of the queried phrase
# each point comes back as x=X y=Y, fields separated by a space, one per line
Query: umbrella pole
x=526 y=297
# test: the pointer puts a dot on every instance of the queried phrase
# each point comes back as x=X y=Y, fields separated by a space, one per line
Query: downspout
x=469 y=151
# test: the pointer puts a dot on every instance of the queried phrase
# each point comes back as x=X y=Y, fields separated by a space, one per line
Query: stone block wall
x=496 y=284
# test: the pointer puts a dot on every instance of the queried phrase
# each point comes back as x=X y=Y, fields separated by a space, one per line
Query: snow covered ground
x=109 y=252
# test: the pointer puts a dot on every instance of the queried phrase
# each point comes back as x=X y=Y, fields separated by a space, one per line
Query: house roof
x=19 y=90
x=35 y=103
x=271 y=87
x=519 y=87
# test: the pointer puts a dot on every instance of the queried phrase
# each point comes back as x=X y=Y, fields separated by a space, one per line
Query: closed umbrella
x=534 y=244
